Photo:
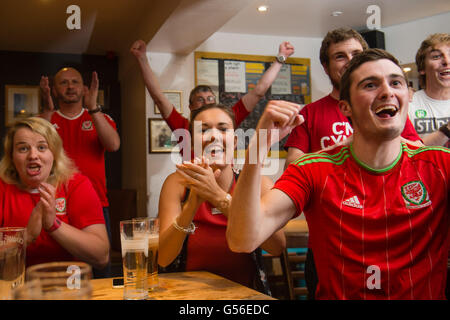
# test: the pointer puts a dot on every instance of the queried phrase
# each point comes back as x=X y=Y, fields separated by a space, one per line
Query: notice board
x=231 y=76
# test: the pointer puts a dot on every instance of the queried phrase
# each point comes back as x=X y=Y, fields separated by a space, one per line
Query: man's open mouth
x=445 y=73
x=387 y=111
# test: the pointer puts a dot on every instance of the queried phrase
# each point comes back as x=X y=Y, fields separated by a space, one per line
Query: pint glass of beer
x=134 y=241
x=12 y=260
x=153 y=246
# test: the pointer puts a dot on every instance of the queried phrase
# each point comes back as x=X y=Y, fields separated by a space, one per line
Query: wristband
x=444 y=129
x=55 y=226
x=98 y=109
x=189 y=230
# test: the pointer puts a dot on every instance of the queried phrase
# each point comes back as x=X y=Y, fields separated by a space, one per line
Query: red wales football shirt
x=76 y=204
x=82 y=145
x=376 y=234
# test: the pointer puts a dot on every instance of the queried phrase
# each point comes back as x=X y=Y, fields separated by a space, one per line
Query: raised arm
x=253 y=219
x=252 y=97
x=276 y=243
x=107 y=134
x=292 y=155
x=138 y=49
x=47 y=107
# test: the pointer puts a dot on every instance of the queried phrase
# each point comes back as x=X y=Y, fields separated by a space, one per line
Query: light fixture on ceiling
x=263 y=8
x=406 y=69
x=336 y=13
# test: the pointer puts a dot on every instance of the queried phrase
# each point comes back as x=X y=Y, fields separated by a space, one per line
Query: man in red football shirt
x=377 y=210
x=325 y=124
x=86 y=132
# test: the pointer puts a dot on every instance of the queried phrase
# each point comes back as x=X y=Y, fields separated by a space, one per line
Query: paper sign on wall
x=234 y=76
x=282 y=84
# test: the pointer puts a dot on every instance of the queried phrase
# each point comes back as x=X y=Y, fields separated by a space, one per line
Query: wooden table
x=197 y=285
x=296 y=232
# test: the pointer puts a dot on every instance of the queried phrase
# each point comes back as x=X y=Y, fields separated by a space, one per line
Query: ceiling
x=179 y=26
x=313 y=18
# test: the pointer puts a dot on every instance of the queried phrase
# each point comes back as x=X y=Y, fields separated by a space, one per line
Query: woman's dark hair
x=196 y=112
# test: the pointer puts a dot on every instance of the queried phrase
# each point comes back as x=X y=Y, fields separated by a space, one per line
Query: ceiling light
x=407 y=69
x=263 y=8
x=336 y=13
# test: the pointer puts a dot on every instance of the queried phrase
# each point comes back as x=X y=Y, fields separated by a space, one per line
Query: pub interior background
x=35 y=41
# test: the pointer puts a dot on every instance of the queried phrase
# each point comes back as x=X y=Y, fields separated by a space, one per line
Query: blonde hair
x=63 y=168
x=426 y=46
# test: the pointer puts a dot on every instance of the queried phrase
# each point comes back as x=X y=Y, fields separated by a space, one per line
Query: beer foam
x=134 y=245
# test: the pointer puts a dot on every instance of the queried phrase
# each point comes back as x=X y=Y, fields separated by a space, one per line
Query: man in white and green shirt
x=429 y=110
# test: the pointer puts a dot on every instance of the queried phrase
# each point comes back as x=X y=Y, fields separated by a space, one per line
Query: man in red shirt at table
x=325 y=125
x=377 y=210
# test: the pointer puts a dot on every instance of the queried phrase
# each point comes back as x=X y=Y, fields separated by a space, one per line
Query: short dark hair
x=197 y=89
x=336 y=36
x=196 y=112
x=356 y=62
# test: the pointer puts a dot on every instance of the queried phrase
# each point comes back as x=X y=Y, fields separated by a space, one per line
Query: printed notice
x=282 y=84
x=208 y=74
x=234 y=76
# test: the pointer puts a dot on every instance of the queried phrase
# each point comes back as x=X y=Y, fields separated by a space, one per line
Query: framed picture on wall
x=176 y=99
x=21 y=102
x=160 y=137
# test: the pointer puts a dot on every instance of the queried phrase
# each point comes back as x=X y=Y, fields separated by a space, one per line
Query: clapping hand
x=201 y=179
x=48 y=204
x=34 y=225
x=44 y=213
x=91 y=93
x=46 y=93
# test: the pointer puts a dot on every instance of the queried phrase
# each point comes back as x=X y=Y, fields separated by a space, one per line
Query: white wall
x=177 y=73
x=174 y=73
x=403 y=40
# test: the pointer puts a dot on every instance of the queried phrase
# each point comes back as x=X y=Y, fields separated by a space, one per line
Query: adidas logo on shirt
x=353 y=202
